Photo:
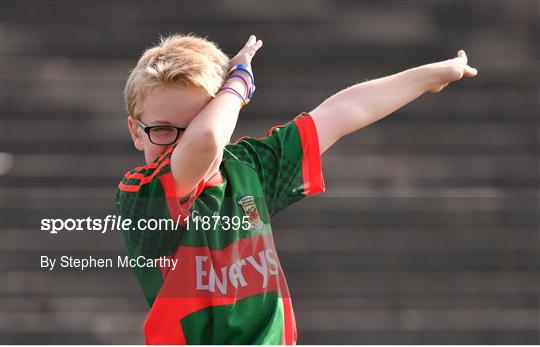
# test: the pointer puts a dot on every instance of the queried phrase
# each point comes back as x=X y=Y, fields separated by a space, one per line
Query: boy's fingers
x=258 y=44
x=461 y=54
x=251 y=40
x=255 y=45
x=251 y=50
x=470 y=71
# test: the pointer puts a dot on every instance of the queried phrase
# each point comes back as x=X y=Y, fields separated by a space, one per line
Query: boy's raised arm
x=207 y=135
x=365 y=103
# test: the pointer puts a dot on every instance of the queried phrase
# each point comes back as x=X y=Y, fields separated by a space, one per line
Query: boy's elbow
x=192 y=159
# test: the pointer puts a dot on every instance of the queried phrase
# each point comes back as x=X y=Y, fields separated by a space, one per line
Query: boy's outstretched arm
x=365 y=103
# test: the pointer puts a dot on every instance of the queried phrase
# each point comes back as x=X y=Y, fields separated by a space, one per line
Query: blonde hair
x=178 y=60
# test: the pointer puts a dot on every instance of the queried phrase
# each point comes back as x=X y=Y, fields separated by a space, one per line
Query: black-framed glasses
x=161 y=134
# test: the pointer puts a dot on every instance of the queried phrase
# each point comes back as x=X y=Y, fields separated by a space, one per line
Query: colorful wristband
x=248 y=89
x=246 y=70
x=235 y=92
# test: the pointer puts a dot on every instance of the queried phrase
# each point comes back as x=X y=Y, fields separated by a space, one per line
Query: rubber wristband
x=246 y=70
x=248 y=89
x=235 y=92
x=243 y=68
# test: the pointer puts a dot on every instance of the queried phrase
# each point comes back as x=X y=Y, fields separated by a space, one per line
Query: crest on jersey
x=250 y=210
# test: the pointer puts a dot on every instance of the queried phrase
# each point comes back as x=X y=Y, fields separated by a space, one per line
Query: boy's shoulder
x=251 y=150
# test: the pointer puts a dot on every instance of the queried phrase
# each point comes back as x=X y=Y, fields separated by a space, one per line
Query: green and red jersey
x=228 y=286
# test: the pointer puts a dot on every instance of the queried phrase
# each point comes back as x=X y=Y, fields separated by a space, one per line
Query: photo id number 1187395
x=206 y=223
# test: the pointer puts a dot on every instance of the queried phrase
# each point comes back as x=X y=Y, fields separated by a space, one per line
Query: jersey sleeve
x=287 y=161
x=148 y=192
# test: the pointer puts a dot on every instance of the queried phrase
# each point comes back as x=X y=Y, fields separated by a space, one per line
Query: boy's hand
x=246 y=54
x=449 y=71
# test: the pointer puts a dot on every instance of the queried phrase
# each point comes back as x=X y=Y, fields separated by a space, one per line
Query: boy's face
x=176 y=106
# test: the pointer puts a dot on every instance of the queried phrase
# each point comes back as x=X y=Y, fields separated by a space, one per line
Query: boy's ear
x=136 y=135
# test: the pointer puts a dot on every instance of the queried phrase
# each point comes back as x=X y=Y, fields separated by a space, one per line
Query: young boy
x=219 y=280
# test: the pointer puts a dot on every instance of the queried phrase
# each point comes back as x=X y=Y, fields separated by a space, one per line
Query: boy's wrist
x=244 y=76
x=243 y=70
x=236 y=84
x=240 y=81
x=239 y=87
x=430 y=75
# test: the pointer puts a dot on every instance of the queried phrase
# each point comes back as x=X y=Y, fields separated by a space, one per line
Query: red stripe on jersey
x=289 y=323
x=155 y=163
x=128 y=187
x=148 y=179
x=162 y=161
x=270 y=132
x=241 y=138
x=148 y=166
x=168 y=151
x=135 y=175
x=311 y=160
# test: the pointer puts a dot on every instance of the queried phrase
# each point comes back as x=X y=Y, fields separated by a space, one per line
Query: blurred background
x=428 y=232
